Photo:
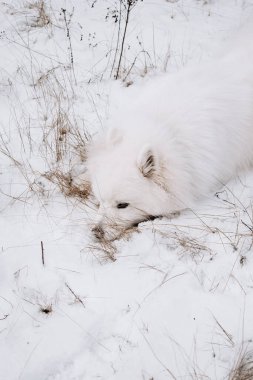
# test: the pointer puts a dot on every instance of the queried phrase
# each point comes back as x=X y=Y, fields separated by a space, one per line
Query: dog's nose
x=98 y=232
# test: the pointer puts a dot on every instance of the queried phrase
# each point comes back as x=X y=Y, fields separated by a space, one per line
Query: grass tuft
x=243 y=369
x=66 y=186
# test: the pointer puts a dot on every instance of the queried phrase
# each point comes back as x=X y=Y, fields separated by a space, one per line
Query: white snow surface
x=173 y=300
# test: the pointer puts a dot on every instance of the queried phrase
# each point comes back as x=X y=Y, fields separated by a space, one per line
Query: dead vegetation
x=61 y=141
x=42 y=17
x=243 y=369
x=66 y=186
x=103 y=251
x=32 y=14
x=48 y=309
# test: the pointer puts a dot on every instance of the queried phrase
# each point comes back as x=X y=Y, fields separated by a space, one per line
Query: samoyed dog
x=185 y=136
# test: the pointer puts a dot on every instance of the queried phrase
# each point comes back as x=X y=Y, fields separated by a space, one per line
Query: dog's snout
x=98 y=232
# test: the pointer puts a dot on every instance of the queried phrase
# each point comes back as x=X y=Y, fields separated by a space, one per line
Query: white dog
x=189 y=133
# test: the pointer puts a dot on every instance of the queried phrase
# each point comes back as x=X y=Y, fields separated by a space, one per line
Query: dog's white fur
x=188 y=134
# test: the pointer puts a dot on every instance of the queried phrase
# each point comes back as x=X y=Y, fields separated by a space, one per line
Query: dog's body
x=189 y=134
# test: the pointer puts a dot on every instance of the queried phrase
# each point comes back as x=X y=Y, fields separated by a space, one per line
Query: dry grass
x=64 y=182
x=178 y=237
x=103 y=251
x=64 y=140
x=42 y=18
x=32 y=14
x=243 y=369
x=62 y=136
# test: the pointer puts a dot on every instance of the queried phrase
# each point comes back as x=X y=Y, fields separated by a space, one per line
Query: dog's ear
x=113 y=136
x=146 y=162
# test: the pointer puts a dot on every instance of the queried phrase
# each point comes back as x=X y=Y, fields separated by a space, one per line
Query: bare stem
x=129 y=5
x=42 y=253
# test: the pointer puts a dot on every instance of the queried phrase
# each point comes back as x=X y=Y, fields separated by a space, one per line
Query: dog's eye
x=122 y=205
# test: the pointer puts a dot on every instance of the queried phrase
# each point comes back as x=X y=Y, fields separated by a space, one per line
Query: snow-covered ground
x=173 y=300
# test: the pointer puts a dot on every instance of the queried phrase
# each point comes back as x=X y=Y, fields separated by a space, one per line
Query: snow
x=173 y=300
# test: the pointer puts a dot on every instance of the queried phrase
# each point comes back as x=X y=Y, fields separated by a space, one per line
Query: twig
x=246 y=225
x=5 y=316
x=75 y=295
x=118 y=37
x=229 y=336
x=156 y=357
x=130 y=4
x=42 y=253
x=69 y=38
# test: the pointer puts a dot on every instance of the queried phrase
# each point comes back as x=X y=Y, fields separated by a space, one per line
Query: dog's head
x=127 y=182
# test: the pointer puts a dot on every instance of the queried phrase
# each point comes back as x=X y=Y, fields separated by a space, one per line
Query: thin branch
x=75 y=295
x=42 y=253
